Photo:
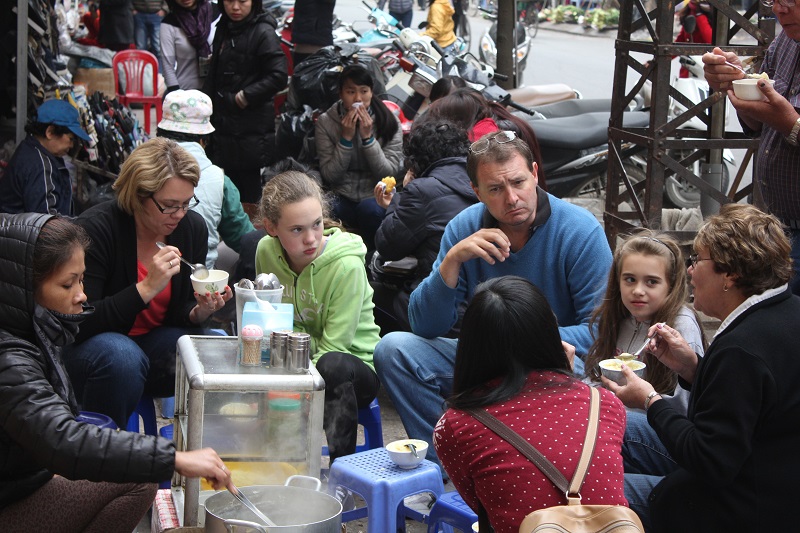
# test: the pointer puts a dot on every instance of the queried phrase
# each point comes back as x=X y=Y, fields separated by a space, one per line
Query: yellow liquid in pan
x=248 y=473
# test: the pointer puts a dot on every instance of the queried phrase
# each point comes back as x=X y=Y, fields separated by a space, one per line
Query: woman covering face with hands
x=359 y=142
x=143 y=294
x=736 y=447
x=58 y=473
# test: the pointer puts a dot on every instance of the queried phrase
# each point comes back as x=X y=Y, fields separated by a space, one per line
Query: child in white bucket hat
x=186 y=119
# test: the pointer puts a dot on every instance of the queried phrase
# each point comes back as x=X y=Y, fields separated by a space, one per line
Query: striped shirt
x=778 y=164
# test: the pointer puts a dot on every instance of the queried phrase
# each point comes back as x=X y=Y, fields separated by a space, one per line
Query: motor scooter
x=677 y=191
x=488 y=48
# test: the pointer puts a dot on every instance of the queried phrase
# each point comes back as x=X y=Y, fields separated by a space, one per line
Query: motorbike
x=573 y=139
x=677 y=191
x=488 y=48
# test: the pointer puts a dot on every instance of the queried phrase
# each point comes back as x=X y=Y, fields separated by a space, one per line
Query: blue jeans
x=111 y=371
x=418 y=376
x=147 y=34
x=404 y=18
x=365 y=216
x=646 y=462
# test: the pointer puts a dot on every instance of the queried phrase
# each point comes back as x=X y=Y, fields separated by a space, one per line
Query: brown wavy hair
x=608 y=317
x=749 y=244
x=291 y=187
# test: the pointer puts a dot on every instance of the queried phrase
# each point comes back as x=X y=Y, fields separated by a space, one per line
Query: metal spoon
x=239 y=495
x=199 y=271
x=413 y=449
x=737 y=67
x=637 y=353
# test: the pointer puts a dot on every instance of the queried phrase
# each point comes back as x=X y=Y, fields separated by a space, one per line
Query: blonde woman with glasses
x=142 y=295
x=774 y=118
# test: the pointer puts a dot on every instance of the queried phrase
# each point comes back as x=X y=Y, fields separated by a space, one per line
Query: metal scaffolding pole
x=672 y=149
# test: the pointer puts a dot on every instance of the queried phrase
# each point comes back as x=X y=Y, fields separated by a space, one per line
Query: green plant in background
x=568 y=14
x=601 y=19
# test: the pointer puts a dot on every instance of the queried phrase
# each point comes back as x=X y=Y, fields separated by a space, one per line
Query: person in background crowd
x=440 y=24
x=186 y=43
x=36 y=179
x=776 y=119
x=187 y=121
x=147 y=15
x=402 y=10
x=248 y=68
x=736 y=447
x=446 y=85
x=312 y=27
x=58 y=473
x=516 y=229
x=511 y=362
x=142 y=292
x=359 y=142
x=116 y=24
x=436 y=188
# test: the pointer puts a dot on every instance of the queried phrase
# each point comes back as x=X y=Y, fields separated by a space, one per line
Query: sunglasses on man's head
x=481 y=145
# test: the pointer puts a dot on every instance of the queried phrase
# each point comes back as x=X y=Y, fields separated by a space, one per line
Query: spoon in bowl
x=199 y=271
x=413 y=449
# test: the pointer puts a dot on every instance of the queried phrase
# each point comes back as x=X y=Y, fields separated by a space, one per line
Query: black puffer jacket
x=247 y=57
x=417 y=216
x=39 y=435
x=313 y=22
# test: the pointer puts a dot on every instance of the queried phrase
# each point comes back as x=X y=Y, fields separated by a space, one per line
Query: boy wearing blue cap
x=37 y=179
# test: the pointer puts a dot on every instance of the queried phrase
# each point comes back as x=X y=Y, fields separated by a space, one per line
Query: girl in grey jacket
x=359 y=142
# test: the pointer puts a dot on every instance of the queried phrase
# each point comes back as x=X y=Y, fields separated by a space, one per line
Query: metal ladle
x=239 y=495
x=199 y=271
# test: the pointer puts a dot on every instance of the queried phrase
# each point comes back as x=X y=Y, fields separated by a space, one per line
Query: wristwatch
x=792 y=138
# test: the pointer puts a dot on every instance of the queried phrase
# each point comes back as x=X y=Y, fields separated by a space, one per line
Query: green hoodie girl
x=324 y=277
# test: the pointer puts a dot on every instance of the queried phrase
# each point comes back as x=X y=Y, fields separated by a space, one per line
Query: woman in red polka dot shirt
x=511 y=362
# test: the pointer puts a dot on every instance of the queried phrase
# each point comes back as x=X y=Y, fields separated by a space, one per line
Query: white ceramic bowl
x=215 y=282
x=747 y=88
x=401 y=454
x=612 y=369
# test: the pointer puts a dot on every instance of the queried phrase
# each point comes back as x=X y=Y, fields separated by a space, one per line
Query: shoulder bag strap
x=529 y=451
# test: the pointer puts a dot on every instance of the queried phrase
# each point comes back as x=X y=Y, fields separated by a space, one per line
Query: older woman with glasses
x=735 y=450
x=142 y=294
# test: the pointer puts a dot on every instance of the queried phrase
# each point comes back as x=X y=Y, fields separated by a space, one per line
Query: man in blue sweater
x=516 y=229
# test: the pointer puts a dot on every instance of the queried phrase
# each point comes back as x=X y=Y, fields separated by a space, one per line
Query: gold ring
x=170 y=264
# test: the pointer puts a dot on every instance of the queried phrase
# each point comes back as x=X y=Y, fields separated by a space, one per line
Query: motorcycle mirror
x=422 y=25
x=689 y=24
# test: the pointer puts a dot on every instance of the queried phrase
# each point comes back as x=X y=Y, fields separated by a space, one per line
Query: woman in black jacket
x=436 y=188
x=56 y=473
x=248 y=68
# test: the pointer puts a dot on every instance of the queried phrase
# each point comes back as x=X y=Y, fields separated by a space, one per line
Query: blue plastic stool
x=168 y=407
x=166 y=432
x=147 y=410
x=370 y=418
x=450 y=510
x=383 y=486
x=98 y=419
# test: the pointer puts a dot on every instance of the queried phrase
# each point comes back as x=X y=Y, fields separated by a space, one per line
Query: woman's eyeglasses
x=693 y=260
x=172 y=209
x=784 y=3
x=481 y=145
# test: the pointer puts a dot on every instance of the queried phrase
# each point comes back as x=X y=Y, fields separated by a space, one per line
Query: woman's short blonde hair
x=148 y=168
x=749 y=244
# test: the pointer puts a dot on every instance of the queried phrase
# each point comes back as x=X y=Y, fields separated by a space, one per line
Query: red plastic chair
x=133 y=65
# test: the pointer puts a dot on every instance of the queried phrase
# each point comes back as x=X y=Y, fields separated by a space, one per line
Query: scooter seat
x=570 y=108
x=534 y=95
x=582 y=131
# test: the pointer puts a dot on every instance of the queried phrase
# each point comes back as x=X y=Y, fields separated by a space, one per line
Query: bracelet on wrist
x=369 y=140
x=649 y=399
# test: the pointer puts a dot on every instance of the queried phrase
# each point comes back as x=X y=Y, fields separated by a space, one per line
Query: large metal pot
x=294 y=508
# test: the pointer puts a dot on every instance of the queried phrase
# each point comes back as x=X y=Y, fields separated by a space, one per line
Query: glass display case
x=265 y=423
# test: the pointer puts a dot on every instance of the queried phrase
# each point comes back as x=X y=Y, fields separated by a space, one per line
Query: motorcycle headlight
x=416 y=47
